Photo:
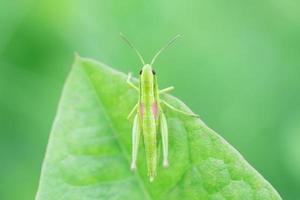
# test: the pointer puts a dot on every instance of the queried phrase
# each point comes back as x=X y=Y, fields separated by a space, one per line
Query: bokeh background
x=237 y=65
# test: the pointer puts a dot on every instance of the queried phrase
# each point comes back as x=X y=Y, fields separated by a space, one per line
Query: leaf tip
x=77 y=59
x=76 y=55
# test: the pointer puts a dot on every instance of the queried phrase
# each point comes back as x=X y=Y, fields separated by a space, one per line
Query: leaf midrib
x=137 y=175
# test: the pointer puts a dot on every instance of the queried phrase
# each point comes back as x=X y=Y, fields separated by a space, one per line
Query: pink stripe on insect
x=155 y=109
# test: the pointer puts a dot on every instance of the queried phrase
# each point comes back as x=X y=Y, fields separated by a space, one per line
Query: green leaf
x=88 y=154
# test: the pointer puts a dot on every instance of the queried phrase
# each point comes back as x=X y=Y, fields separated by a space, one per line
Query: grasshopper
x=149 y=117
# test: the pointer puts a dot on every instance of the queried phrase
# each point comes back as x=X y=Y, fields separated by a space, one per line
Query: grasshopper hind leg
x=135 y=141
x=164 y=137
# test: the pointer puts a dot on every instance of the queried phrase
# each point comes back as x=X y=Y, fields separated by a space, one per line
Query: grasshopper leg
x=132 y=111
x=130 y=83
x=168 y=89
x=135 y=141
x=178 y=110
x=164 y=136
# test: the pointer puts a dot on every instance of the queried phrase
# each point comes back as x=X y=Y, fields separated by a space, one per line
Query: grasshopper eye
x=141 y=71
x=153 y=72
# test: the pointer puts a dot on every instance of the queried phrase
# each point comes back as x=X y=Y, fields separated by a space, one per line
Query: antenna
x=130 y=44
x=164 y=48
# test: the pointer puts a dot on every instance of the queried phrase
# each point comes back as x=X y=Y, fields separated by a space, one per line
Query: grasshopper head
x=147 y=73
x=147 y=70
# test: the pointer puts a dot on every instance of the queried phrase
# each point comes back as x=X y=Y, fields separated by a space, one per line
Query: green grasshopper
x=150 y=118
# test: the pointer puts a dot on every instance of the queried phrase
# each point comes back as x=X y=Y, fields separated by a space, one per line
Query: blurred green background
x=237 y=65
